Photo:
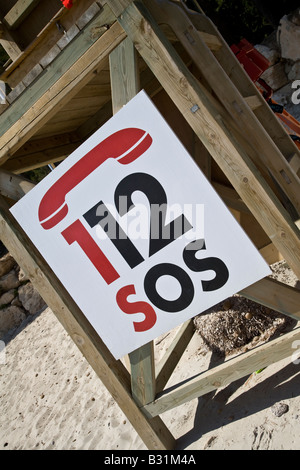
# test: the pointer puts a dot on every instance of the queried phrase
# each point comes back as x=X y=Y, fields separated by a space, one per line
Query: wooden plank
x=20 y=10
x=264 y=150
x=67 y=86
x=222 y=375
x=125 y=85
x=112 y=373
x=246 y=87
x=231 y=197
x=270 y=254
x=200 y=111
x=275 y=295
x=96 y=121
x=43 y=42
x=295 y=163
x=9 y=44
x=253 y=102
x=212 y=41
x=124 y=74
x=118 y=6
x=202 y=157
x=23 y=163
x=167 y=364
x=66 y=59
x=12 y=186
x=143 y=374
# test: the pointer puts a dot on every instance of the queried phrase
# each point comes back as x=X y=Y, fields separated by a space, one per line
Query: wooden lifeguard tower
x=70 y=70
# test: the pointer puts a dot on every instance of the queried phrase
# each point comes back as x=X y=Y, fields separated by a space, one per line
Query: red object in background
x=67 y=3
x=255 y=64
x=253 y=61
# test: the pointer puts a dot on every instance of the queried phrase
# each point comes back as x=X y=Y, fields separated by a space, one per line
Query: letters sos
x=125 y=146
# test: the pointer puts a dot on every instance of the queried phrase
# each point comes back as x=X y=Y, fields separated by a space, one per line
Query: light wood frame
x=140 y=393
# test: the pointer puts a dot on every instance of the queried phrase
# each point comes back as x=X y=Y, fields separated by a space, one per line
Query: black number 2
x=161 y=234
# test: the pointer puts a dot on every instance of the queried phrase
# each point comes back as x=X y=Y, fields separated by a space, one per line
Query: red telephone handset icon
x=125 y=145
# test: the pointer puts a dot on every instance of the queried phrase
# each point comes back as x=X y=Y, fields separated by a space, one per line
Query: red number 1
x=77 y=232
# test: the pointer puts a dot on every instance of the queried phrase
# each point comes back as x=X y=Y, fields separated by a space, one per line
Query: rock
x=279 y=409
x=275 y=76
x=16 y=302
x=294 y=73
x=7 y=297
x=272 y=55
x=294 y=17
x=283 y=95
x=22 y=276
x=9 y=281
x=30 y=299
x=10 y=317
x=289 y=39
x=6 y=264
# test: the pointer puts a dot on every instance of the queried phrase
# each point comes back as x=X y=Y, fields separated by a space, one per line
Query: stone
x=289 y=39
x=283 y=96
x=10 y=318
x=7 y=262
x=16 y=302
x=275 y=76
x=294 y=17
x=294 y=73
x=22 y=276
x=7 y=297
x=9 y=281
x=31 y=299
x=272 y=55
x=278 y=409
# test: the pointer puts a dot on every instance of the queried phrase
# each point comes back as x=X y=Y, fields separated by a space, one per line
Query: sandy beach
x=50 y=398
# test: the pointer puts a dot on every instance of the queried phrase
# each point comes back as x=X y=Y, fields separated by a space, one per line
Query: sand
x=50 y=398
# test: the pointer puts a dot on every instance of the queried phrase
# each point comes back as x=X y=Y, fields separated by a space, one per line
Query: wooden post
x=124 y=76
x=112 y=372
x=19 y=12
x=8 y=43
x=200 y=110
x=264 y=151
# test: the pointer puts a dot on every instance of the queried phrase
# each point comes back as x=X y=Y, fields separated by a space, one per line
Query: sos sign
x=136 y=233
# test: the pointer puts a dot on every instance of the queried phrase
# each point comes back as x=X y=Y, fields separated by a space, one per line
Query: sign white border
x=167 y=161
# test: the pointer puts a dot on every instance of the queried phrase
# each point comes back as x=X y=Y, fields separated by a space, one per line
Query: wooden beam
x=9 y=44
x=40 y=152
x=169 y=361
x=124 y=74
x=112 y=373
x=143 y=385
x=220 y=376
x=118 y=6
x=275 y=295
x=265 y=153
x=68 y=58
x=19 y=12
x=246 y=87
x=43 y=42
x=212 y=41
x=200 y=111
x=231 y=197
x=125 y=84
x=12 y=186
x=66 y=87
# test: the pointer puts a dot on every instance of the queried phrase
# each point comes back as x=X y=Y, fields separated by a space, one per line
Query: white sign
x=136 y=233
